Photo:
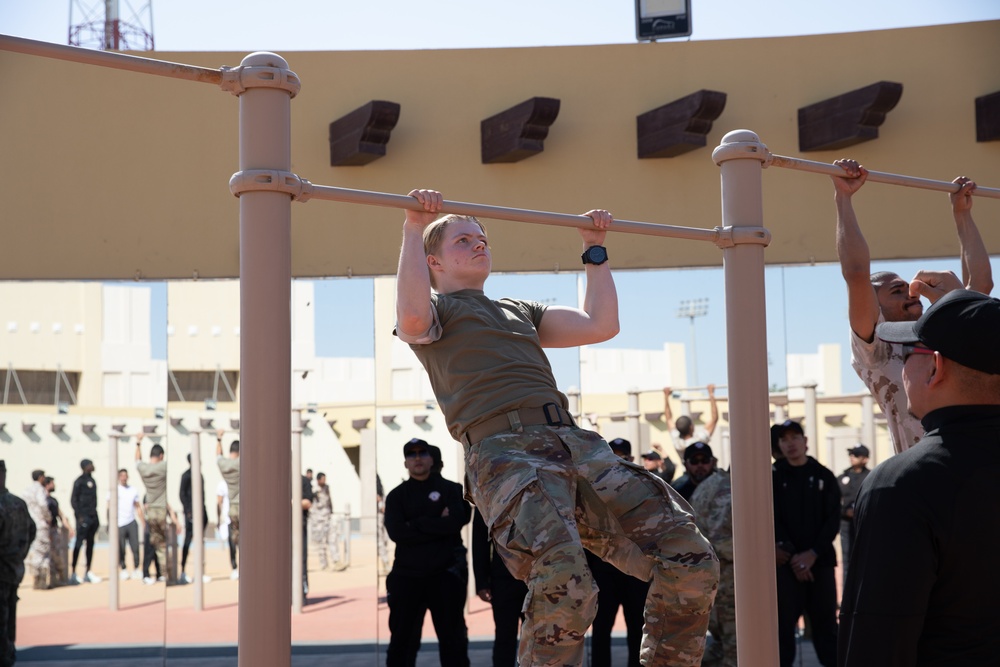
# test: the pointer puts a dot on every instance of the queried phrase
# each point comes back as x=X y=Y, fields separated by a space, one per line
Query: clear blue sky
x=806 y=305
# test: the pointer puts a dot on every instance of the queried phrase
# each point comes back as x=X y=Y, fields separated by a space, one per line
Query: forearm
x=413 y=285
x=600 y=301
x=852 y=248
x=977 y=274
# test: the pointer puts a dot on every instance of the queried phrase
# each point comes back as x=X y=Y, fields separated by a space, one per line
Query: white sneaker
x=161 y=578
x=74 y=580
x=235 y=575
x=184 y=578
x=149 y=581
x=123 y=575
x=91 y=578
x=205 y=579
x=136 y=575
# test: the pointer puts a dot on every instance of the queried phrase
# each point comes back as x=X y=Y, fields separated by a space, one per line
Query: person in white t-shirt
x=129 y=518
x=874 y=298
x=685 y=432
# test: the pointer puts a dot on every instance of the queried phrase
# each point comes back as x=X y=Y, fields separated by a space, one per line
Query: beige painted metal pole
x=868 y=426
x=633 y=420
x=296 y=482
x=811 y=428
x=113 y=555
x=739 y=157
x=876 y=176
x=197 y=523
x=265 y=375
x=110 y=59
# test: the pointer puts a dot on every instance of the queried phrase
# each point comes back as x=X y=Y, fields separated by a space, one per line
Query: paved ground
x=344 y=621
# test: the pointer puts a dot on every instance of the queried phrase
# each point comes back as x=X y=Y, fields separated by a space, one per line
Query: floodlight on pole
x=692 y=308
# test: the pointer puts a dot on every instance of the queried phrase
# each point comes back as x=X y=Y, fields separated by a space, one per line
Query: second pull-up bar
x=876 y=176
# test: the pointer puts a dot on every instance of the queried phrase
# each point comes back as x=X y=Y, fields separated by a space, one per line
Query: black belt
x=549 y=414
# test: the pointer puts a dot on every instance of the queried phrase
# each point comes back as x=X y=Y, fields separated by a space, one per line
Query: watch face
x=597 y=255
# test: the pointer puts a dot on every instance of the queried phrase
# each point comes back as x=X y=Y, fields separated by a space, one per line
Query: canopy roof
x=117 y=175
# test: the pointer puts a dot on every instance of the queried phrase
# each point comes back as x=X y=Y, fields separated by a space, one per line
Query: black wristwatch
x=595 y=254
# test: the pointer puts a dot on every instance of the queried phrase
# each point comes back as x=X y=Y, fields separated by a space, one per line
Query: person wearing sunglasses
x=923 y=581
x=424 y=516
x=873 y=298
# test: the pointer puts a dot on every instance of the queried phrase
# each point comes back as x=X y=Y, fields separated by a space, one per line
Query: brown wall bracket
x=847 y=119
x=680 y=126
x=361 y=136
x=518 y=132
x=988 y=117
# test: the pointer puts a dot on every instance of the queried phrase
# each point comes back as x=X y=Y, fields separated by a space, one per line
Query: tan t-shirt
x=230 y=469
x=880 y=366
x=154 y=476
x=484 y=358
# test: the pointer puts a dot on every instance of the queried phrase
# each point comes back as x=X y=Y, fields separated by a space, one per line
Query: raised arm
x=977 y=274
x=218 y=442
x=668 y=415
x=413 y=282
x=852 y=250
x=138 y=447
x=714 y=408
x=562 y=326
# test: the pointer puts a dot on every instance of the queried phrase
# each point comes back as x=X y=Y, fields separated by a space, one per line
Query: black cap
x=621 y=446
x=859 y=450
x=779 y=430
x=963 y=326
x=84 y=463
x=652 y=455
x=697 y=448
x=416 y=442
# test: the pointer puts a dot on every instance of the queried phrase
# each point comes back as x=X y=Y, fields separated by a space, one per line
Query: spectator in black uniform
x=806 y=521
x=307 y=500
x=424 y=517
x=616 y=589
x=84 y=503
x=850 y=484
x=699 y=463
x=496 y=585
x=924 y=580
x=187 y=503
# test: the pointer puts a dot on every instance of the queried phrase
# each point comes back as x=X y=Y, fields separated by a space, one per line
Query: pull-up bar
x=121 y=61
x=303 y=190
x=875 y=176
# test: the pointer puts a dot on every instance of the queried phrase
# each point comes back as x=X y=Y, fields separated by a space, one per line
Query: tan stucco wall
x=107 y=174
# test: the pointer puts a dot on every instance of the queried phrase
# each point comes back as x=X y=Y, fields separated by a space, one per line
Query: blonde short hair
x=434 y=232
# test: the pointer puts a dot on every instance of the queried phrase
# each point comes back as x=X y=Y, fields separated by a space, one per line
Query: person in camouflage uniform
x=545 y=487
x=320 y=516
x=712 y=502
x=17 y=532
x=40 y=556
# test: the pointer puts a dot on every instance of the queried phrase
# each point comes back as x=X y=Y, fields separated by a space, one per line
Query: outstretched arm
x=413 y=283
x=598 y=320
x=714 y=407
x=138 y=447
x=668 y=415
x=852 y=250
x=976 y=271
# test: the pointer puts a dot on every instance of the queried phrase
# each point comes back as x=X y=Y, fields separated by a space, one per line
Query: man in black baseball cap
x=923 y=577
x=699 y=463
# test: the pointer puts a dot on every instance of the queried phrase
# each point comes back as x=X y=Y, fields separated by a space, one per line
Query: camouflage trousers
x=39 y=560
x=57 y=557
x=156 y=526
x=722 y=622
x=324 y=533
x=548 y=492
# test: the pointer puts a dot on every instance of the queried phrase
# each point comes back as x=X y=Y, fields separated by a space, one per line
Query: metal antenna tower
x=97 y=24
